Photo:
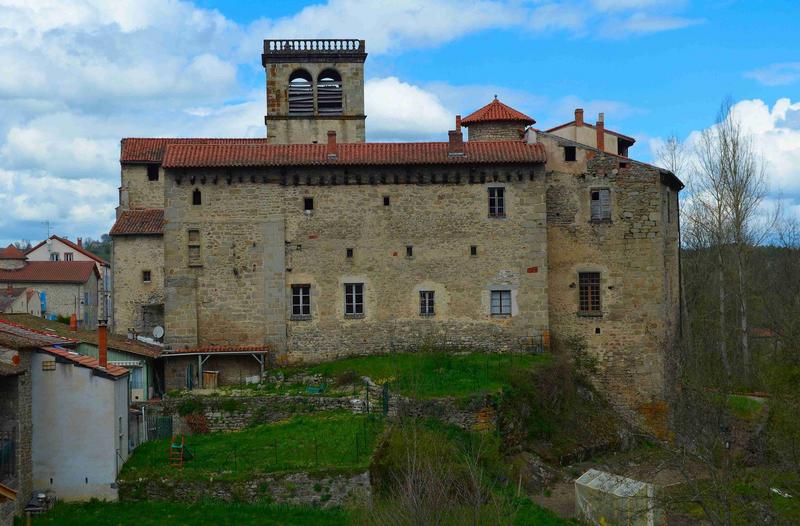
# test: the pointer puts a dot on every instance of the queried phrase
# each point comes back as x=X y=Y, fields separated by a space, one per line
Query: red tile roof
x=208 y=155
x=73 y=246
x=51 y=272
x=35 y=336
x=496 y=111
x=11 y=252
x=86 y=361
x=151 y=150
x=144 y=221
x=587 y=125
x=221 y=349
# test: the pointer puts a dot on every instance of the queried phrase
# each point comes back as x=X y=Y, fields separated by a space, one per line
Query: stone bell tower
x=314 y=86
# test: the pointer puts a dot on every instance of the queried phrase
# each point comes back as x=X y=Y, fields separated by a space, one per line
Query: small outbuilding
x=602 y=498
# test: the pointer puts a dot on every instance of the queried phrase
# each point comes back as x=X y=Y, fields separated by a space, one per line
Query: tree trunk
x=743 y=315
x=723 y=347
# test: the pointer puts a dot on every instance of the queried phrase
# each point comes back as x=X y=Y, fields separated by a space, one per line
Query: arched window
x=329 y=93
x=301 y=93
x=197 y=198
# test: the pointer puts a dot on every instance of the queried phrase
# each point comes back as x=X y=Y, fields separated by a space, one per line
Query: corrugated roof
x=151 y=150
x=221 y=349
x=349 y=154
x=11 y=252
x=87 y=361
x=73 y=246
x=496 y=111
x=51 y=272
x=145 y=221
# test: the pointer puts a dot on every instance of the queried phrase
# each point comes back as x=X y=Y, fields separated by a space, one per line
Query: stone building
x=318 y=244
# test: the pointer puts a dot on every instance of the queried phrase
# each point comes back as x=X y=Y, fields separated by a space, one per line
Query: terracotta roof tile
x=11 y=252
x=145 y=221
x=215 y=155
x=221 y=349
x=151 y=150
x=86 y=361
x=73 y=246
x=496 y=111
x=34 y=336
x=51 y=272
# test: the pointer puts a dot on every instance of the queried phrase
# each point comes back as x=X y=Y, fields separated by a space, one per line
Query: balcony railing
x=319 y=45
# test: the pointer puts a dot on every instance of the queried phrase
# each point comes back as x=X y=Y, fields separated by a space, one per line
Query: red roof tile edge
x=221 y=349
x=73 y=246
x=87 y=361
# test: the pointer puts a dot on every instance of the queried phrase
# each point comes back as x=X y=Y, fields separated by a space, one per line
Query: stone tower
x=314 y=86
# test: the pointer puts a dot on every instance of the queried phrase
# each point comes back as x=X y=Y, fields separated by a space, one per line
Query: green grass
x=745 y=407
x=322 y=442
x=175 y=514
x=434 y=374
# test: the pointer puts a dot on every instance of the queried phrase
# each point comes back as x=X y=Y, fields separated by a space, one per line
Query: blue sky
x=81 y=74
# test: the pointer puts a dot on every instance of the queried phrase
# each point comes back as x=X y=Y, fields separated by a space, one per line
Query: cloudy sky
x=78 y=75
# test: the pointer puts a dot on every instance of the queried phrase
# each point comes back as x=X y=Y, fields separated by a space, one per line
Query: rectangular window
x=589 y=292
x=473 y=250
x=152 y=172
x=194 y=248
x=349 y=253
x=54 y=256
x=386 y=200
x=48 y=365
x=197 y=197
x=354 y=300
x=308 y=204
x=67 y=256
x=601 y=204
x=497 y=205
x=301 y=302
x=409 y=251
x=146 y=276
x=570 y=153
x=501 y=303
x=426 y=303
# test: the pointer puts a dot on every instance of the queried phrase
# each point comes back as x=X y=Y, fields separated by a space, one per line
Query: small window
x=409 y=251
x=308 y=204
x=569 y=153
x=152 y=172
x=497 y=206
x=601 y=204
x=146 y=276
x=473 y=250
x=386 y=200
x=48 y=365
x=426 y=303
x=501 y=303
x=197 y=197
x=67 y=256
x=589 y=292
x=194 y=248
x=301 y=302
x=349 y=253
x=354 y=300
x=54 y=256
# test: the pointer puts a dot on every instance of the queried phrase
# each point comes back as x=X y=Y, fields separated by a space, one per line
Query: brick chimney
x=102 y=344
x=73 y=322
x=332 y=149
x=455 y=144
x=578 y=117
x=601 y=132
x=80 y=242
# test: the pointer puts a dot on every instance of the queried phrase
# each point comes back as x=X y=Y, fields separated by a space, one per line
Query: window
x=197 y=197
x=67 y=256
x=601 y=204
x=146 y=276
x=48 y=365
x=301 y=93
x=152 y=172
x=409 y=251
x=308 y=204
x=501 y=303
x=301 y=302
x=497 y=206
x=589 y=292
x=194 y=248
x=329 y=93
x=54 y=256
x=426 y=303
x=473 y=250
x=570 y=153
x=354 y=300
x=386 y=200
x=349 y=253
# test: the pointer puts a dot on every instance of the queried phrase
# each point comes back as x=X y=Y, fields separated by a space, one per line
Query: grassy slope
x=234 y=456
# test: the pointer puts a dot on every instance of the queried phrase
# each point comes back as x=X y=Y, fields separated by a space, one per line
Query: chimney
x=102 y=344
x=455 y=144
x=601 y=132
x=80 y=242
x=458 y=123
x=73 y=322
x=332 y=149
x=579 y=117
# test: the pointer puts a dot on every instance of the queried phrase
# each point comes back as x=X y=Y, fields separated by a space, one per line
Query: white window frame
x=500 y=302
x=427 y=303
x=354 y=300
x=301 y=301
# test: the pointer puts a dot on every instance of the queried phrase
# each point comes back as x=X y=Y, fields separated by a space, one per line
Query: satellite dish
x=158 y=331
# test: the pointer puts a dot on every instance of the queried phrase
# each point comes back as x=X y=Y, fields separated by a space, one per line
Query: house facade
x=320 y=245
x=20 y=300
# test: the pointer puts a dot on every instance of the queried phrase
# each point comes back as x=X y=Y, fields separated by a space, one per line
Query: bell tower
x=314 y=86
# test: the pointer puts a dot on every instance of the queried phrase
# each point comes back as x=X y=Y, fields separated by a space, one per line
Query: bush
x=348 y=378
x=189 y=407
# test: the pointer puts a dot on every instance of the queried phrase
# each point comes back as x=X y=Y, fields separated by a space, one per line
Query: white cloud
x=780 y=74
x=398 y=110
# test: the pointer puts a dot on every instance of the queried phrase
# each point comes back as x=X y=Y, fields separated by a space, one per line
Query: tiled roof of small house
x=221 y=349
x=143 y=221
x=11 y=252
x=350 y=154
x=151 y=150
x=51 y=272
x=9 y=295
x=592 y=126
x=73 y=246
x=87 y=361
x=34 y=336
x=496 y=111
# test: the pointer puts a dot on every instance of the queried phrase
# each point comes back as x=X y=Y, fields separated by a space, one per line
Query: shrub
x=189 y=407
x=348 y=378
x=197 y=423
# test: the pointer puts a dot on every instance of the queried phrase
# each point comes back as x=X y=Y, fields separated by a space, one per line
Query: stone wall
x=137 y=191
x=495 y=131
x=326 y=490
x=132 y=255
x=15 y=419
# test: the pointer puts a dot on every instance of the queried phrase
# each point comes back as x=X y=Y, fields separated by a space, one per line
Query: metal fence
x=8 y=464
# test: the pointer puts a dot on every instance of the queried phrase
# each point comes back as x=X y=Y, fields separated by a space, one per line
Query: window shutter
x=605 y=204
x=596 y=209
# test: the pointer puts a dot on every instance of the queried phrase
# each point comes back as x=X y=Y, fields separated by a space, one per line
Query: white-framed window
x=354 y=300
x=497 y=201
x=501 y=303
x=426 y=303
x=67 y=256
x=301 y=302
x=54 y=256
